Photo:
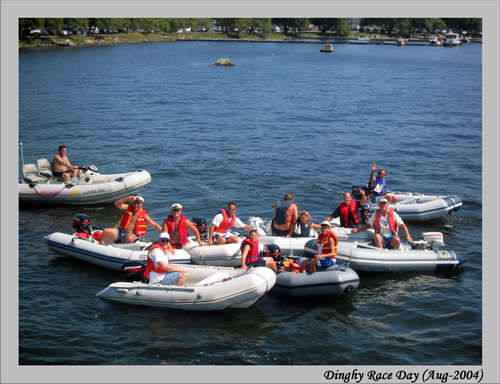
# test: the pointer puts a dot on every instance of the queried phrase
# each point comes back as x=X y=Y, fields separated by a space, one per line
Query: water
x=284 y=118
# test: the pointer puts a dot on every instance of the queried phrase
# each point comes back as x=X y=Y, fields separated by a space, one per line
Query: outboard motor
x=202 y=227
x=435 y=239
x=81 y=223
x=356 y=191
x=310 y=249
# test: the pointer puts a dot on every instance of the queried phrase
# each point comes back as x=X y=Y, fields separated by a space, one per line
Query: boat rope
x=121 y=179
x=33 y=186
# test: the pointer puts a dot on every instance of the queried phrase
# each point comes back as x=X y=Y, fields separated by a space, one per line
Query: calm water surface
x=284 y=118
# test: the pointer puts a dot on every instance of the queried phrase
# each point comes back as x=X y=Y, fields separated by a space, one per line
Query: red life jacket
x=347 y=211
x=181 y=229
x=253 y=255
x=323 y=239
x=392 y=221
x=141 y=225
x=227 y=222
x=150 y=265
x=82 y=235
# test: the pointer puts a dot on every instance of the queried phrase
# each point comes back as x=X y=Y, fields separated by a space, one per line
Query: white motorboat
x=336 y=280
x=207 y=288
x=39 y=186
x=435 y=41
x=111 y=256
x=452 y=40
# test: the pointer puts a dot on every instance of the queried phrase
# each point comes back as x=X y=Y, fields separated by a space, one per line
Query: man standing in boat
x=285 y=216
x=348 y=210
x=386 y=223
x=158 y=267
x=219 y=231
x=177 y=225
x=133 y=223
x=62 y=167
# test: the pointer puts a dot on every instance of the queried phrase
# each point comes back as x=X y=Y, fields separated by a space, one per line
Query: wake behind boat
x=39 y=186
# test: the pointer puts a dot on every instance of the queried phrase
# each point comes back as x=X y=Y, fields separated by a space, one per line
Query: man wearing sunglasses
x=177 y=226
x=133 y=222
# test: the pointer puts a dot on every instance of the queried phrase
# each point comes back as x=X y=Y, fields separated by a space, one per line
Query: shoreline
x=77 y=41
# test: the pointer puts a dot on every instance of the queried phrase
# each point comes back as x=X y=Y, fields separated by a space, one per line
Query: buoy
x=225 y=62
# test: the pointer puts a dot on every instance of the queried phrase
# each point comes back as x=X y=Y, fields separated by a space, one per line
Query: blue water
x=284 y=118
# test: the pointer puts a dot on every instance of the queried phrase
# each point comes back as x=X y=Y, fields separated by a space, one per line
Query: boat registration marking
x=443 y=255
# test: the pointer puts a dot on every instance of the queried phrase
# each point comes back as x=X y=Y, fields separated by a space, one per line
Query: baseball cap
x=176 y=207
x=140 y=198
x=327 y=223
x=382 y=200
x=164 y=236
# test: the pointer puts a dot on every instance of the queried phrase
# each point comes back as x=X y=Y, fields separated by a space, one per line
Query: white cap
x=164 y=236
x=327 y=223
x=383 y=200
x=176 y=207
x=140 y=198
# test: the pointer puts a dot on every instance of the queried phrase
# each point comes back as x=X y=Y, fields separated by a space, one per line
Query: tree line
x=235 y=26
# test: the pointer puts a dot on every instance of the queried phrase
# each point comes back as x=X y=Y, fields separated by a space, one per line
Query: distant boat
x=435 y=41
x=401 y=42
x=327 y=48
x=452 y=40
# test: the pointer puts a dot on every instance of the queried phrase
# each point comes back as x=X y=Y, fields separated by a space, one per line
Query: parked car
x=276 y=29
x=201 y=28
x=217 y=28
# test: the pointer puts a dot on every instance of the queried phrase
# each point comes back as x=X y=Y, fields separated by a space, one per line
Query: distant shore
x=134 y=38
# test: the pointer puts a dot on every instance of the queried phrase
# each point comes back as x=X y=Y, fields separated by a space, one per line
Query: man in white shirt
x=159 y=269
x=386 y=223
x=219 y=231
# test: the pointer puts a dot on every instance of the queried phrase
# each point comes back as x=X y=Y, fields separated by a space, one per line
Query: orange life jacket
x=150 y=265
x=141 y=225
x=392 y=221
x=324 y=240
x=181 y=228
x=347 y=211
x=227 y=222
x=292 y=266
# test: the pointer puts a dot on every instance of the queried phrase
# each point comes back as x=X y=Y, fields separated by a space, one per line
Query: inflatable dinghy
x=422 y=256
x=207 y=289
x=336 y=280
x=38 y=186
x=111 y=256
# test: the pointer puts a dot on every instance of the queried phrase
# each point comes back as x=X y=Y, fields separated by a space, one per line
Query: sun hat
x=327 y=223
x=176 y=207
x=164 y=236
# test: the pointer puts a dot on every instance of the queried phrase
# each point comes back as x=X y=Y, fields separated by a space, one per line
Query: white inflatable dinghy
x=208 y=288
x=111 y=256
x=39 y=186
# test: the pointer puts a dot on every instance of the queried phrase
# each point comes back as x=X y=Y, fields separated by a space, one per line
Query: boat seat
x=30 y=172
x=44 y=167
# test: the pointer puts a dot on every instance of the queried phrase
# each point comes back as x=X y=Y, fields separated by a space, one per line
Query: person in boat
x=250 y=255
x=349 y=210
x=327 y=250
x=220 y=230
x=133 y=223
x=62 y=167
x=285 y=216
x=377 y=185
x=158 y=267
x=177 y=225
x=304 y=226
x=386 y=223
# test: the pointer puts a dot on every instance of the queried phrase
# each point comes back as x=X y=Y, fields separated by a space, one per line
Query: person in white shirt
x=158 y=268
x=219 y=231
x=386 y=223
